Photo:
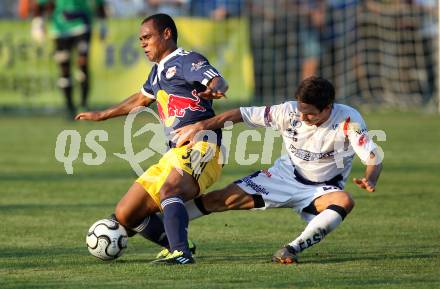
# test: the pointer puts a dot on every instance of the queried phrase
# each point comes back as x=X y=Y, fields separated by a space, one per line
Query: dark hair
x=316 y=91
x=161 y=22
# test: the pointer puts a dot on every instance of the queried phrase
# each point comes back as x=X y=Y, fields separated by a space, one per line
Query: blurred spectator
x=268 y=29
x=26 y=8
x=170 y=7
x=286 y=48
x=216 y=9
x=126 y=8
x=311 y=19
x=8 y=8
x=429 y=34
x=71 y=29
x=340 y=29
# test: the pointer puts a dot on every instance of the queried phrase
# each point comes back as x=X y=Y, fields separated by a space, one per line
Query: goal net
x=375 y=52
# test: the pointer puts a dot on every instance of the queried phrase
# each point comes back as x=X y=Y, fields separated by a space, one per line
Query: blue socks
x=175 y=219
x=152 y=229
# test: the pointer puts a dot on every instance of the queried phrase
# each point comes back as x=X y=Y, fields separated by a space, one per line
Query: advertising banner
x=118 y=66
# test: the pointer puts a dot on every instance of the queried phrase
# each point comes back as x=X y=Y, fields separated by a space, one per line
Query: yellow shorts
x=201 y=161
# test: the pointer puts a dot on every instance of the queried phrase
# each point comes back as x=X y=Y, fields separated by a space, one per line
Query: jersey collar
x=161 y=64
x=169 y=56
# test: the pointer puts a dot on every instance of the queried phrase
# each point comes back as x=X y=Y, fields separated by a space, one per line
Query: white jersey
x=318 y=153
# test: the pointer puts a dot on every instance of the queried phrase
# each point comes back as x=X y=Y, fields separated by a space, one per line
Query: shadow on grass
x=237 y=260
x=49 y=252
x=57 y=207
x=62 y=176
x=205 y=260
x=377 y=257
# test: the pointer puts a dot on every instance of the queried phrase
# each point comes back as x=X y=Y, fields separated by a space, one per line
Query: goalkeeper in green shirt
x=70 y=27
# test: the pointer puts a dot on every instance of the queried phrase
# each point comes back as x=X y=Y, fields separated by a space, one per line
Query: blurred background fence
x=379 y=53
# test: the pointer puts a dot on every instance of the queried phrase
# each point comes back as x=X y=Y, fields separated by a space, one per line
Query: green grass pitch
x=391 y=239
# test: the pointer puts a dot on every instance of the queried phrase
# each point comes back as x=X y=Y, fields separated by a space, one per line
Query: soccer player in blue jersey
x=183 y=84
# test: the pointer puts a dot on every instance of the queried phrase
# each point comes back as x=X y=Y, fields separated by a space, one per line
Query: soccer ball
x=106 y=239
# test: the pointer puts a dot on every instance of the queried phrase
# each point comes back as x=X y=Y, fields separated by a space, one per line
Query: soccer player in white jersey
x=321 y=138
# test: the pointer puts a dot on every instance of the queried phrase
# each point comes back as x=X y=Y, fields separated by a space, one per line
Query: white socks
x=319 y=226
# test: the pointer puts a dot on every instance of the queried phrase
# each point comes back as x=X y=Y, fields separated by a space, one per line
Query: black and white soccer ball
x=106 y=239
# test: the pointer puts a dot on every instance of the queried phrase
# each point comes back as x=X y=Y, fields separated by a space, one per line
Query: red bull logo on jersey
x=171 y=106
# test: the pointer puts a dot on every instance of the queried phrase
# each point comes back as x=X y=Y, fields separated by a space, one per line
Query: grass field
x=391 y=240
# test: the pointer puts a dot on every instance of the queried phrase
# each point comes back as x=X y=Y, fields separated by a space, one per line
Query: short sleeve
x=146 y=88
x=264 y=116
x=356 y=131
x=196 y=68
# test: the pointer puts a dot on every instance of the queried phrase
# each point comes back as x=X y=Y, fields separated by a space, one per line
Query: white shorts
x=280 y=188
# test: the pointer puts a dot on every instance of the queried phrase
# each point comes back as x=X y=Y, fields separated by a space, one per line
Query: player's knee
x=346 y=201
x=82 y=76
x=64 y=82
x=62 y=56
x=123 y=215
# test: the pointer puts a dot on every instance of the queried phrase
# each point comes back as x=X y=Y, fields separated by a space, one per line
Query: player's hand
x=364 y=184
x=90 y=115
x=186 y=135
x=210 y=94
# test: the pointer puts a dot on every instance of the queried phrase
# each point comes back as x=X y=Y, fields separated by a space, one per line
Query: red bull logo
x=171 y=106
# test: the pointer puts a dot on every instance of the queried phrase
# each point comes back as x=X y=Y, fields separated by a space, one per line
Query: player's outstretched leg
x=332 y=209
x=232 y=197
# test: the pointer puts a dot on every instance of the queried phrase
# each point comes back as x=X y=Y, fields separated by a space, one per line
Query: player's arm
x=196 y=68
x=372 y=173
x=218 y=121
x=370 y=154
x=136 y=100
x=215 y=89
x=253 y=116
x=188 y=134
